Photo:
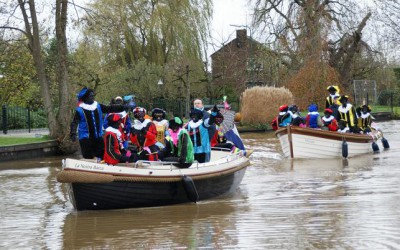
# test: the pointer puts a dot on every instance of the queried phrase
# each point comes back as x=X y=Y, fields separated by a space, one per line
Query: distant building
x=240 y=64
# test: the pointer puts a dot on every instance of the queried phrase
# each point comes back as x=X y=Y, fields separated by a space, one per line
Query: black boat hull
x=124 y=194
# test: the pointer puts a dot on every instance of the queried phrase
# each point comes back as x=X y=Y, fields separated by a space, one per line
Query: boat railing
x=171 y=164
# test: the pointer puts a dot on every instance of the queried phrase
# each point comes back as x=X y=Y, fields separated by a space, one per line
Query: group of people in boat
x=108 y=132
x=339 y=115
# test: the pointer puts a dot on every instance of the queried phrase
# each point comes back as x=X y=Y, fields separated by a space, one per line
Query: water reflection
x=180 y=226
x=281 y=204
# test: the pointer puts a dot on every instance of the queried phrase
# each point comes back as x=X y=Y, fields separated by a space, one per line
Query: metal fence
x=21 y=118
x=28 y=120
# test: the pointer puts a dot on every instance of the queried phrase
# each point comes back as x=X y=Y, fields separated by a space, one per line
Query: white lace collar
x=90 y=107
x=346 y=109
x=194 y=125
x=328 y=119
x=365 y=115
x=139 y=125
x=115 y=131
x=161 y=123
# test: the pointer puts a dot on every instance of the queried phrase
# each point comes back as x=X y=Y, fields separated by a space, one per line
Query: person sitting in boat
x=335 y=106
x=88 y=120
x=342 y=126
x=348 y=113
x=143 y=136
x=219 y=140
x=365 y=119
x=313 y=119
x=284 y=117
x=333 y=91
x=125 y=125
x=328 y=120
x=161 y=124
x=199 y=133
x=178 y=145
x=297 y=120
x=114 y=151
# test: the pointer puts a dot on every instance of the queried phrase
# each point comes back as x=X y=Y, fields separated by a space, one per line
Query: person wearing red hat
x=114 y=151
x=283 y=119
x=144 y=136
x=328 y=121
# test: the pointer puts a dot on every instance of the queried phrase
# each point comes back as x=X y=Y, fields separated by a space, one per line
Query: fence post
x=29 y=119
x=391 y=102
x=4 y=115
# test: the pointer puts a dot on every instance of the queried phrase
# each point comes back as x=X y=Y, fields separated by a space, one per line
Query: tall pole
x=187 y=92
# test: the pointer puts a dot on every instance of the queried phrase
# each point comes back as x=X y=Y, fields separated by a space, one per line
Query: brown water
x=281 y=204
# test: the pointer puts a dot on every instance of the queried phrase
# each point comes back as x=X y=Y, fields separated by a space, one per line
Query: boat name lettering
x=83 y=166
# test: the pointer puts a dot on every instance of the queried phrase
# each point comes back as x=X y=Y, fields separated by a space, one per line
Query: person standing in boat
x=335 y=106
x=199 y=133
x=88 y=121
x=365 y=119
x=161 y=124
x=114 y=151
x=348 y=113
x=143 y=136
x=328 y=120
x=333 y=91
x=198 y=104
x=313 y=119
x=178 y=145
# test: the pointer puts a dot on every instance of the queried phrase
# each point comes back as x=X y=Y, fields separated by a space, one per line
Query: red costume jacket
x=145 y=135
x=112 y=151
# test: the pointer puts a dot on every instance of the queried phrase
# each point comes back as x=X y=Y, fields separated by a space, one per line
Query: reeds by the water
x=259 y=105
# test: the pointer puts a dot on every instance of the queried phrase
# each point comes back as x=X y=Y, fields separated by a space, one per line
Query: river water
x=280 y=204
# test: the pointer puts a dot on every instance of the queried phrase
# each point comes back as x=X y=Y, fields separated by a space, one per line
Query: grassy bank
x=10 y=140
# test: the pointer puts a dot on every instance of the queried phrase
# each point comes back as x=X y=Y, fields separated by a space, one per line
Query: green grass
x=7 y=141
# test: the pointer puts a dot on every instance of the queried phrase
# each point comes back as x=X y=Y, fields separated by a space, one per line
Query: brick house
x=238 y=64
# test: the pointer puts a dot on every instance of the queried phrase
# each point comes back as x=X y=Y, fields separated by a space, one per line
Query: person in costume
x=219 y=140
x=178 y=145
x=199 y=133
x=125 y=125
x=198 y=104
x=328 y=120
x=161 y=124
x=226 y=128
x=365 y=119
x=333 y=91
x=88 y=121
x=313 y=119
x=335 y=106
x=143 y=136
x=342 y=126
x=114 y=151
x=297 y=120
x=348 y=113
x=284 y=117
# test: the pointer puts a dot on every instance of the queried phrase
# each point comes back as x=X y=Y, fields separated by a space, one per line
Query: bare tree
x=58 y=110
x=320 y=30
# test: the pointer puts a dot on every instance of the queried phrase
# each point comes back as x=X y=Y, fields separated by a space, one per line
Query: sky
x=226 y=14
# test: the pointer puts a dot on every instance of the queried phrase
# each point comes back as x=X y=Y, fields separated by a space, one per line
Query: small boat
x=298 y=142
x=98 y=186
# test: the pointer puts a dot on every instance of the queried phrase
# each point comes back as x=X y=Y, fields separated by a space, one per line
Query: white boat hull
x=308 y=143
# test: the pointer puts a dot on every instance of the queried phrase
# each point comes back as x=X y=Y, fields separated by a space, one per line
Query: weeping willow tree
x=166 y=35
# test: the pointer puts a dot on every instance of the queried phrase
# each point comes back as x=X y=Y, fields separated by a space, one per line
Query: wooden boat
x=97 y=186
x=297 y=142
